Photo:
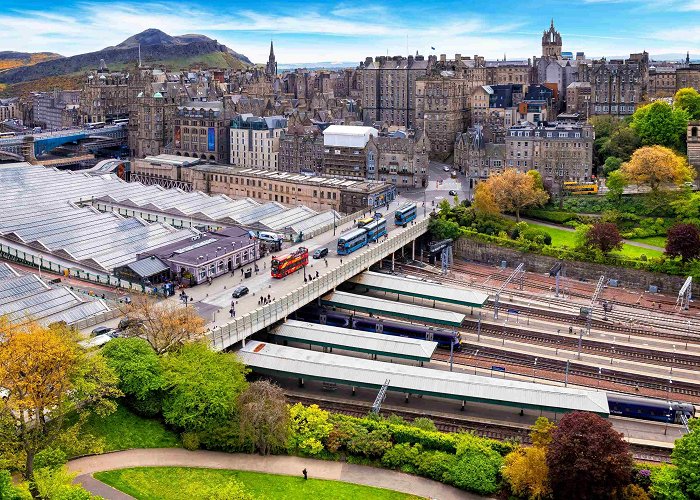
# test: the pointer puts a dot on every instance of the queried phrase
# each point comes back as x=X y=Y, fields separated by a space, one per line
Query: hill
x=11 y=60
x=157 y=48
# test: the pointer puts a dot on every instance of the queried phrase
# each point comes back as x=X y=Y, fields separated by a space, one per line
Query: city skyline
x=341 y=31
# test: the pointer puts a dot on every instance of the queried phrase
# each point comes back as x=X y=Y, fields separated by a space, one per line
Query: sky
x=348 y=31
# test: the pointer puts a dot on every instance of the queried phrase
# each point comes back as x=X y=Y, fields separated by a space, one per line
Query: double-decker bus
x=375 y=229
x=94 y=125
x=287 y=264
x=405 y=214
x=581 y=187
x=364 y=222
x=352 y=240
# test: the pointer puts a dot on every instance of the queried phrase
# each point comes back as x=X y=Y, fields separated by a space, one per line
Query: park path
x=285 y=465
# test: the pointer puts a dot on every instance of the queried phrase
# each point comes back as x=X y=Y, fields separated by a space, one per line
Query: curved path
x=286 y=465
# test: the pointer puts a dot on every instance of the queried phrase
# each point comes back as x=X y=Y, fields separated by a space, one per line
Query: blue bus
x=376 y=229
x=405 y=214
x=351 y=241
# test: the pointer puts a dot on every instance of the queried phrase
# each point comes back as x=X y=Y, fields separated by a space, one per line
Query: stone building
x=477 y=155
x=617 y=86
x=10 y=109
x=201 y=131
x=388 y=88
x=578 y=98
x=693 y=143
x=255 y=141
x=301 y=148
x=57 y=109
x=350 y=152
x=688 y=75
x=169 y=171
x=662 y=81
x=508 y=72
x=559 y=151
x=442 y=110
x=104 y=97
x=403 y=159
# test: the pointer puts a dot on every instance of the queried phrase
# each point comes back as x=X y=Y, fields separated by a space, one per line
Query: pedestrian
x=268 y=297
x=305 y=280
x=341 y=261
x=264 y=265
x=305 y=474
x=571 y=329
x=232 y=311
x=317 y=274
x=326 y=261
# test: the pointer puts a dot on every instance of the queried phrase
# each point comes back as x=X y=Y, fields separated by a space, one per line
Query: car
x=453 y=192
x=101 y=330
x=129 y=324
x=320 y=253
x=239 y=291
x=446 y=168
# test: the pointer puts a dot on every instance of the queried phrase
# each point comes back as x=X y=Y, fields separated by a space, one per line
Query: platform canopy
x=273 y=359
x=416 y=287
x=411 y=312
x=354 y=340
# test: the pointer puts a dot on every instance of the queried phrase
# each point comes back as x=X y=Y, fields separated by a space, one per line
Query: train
x=357 y=238
x=405 y=214
x=325 y=316
x=658 y=410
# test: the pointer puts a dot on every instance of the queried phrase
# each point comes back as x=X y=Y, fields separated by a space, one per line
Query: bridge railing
x=282 y=307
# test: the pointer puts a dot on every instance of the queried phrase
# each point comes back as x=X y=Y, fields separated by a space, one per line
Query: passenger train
x=357 y=238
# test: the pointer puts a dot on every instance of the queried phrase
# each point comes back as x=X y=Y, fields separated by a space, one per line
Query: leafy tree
x=688 y=99
x=686 y=457
x=660 y=124
x=139 y=370
x=687 y=208
x=264 y=417
x=484 y=201
x=604 y=236
x=511 y=191
x=526 y=471
x=165 y=325
x=621 y=144
x=309 y=428
x=541 y=432
x=581 y=236
x=587 y=458
x=202 y=387
x=654 y=166
x=537 y=179
x=612 y=163
x=10 y=491
x=666 y=484
x=476 y=467
x=57 y=484
x=47 y=375
x=683 y=240
x=616 y=183
x=442 y=229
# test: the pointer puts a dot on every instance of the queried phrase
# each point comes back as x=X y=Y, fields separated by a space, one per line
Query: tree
x=309 y=428
x=604 y=236
x=587 y=458
x=264 y=417
x=47 y=375
x=484 y=201
x=537 y=179
x=686 y=456
x=139 y=371
x=616 y=182
x=201 y=387
x=654 y=166
x=621 y=143
x=10 y=491
x=660 y=124
x=57 y=484
x=512 y=191
x=526 y=471
x=165 y=325
x=442 y=229
x=666 y=484
x=687 y=208
x=688 y=99
x=683 y=240
x=612 y=163
x=541 y=432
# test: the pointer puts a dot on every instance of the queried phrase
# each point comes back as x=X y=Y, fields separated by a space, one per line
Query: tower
x=551 y=42
x=271 y=67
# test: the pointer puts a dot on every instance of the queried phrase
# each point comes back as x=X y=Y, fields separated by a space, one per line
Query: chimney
x=443 y=58
x=458 y=57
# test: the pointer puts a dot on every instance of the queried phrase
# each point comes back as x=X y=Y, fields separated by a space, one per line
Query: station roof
x=287 y=361
x=353 y=340
x=416 y=287
x=411 y=312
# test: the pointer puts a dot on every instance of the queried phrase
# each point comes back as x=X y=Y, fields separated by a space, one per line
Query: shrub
x=309 y=428
x=537 y=235
x=190 y=440
x=665 y=484
x=429 y=440
x=476 y=472
x=435 y=464
x=224 y=438
x=49 y=458
x=424 y=423
x=403 y=457
x=341 y=434
x=554 y=216
x=372 y=444
x=10 y=491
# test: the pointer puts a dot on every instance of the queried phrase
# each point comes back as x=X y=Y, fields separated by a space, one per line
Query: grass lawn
x=165 y=483
x=123 y=430
x=561 y=237
x=657 y=241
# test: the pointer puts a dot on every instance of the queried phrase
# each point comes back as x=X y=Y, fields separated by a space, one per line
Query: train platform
x=276 y=360
x=345 y=339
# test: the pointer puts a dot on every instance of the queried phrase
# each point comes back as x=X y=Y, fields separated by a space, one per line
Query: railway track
x=501 y=431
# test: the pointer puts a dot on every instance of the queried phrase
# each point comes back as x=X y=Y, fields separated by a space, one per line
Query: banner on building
x=211 y=139
x=178 y=138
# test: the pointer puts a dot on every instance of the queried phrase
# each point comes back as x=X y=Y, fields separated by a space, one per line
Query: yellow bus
x=365 y=221
x=581 y=187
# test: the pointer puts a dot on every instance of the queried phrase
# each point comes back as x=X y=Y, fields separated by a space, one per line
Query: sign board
x=513 y=311
x=211 y=139
x=498 y=368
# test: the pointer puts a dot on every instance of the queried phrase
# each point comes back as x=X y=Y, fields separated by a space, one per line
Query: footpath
x=285 y=465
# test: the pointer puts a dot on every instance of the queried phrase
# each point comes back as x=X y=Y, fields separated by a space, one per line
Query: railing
x=97 y=319
x=338 y=222
x=263 y=316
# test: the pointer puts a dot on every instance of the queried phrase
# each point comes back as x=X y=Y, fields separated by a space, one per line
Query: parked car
x=453 y=192
x=239 y=291
x=320 y=253
x=446 y=168
x=101 y=330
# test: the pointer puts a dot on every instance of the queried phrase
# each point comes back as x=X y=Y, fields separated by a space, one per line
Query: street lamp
x=475 y=360
x=600 y=371
x=503 y=336
x=534 y=367
x=670 y=383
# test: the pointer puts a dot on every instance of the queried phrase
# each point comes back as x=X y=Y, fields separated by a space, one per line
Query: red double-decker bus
x=289 y=263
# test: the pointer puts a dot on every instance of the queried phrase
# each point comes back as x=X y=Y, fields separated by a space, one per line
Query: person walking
x=232 y=311
x=317 y=274
x=306 y=476
x=268 y=297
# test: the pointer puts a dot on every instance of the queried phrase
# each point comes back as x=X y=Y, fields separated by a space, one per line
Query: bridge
x=26 y=147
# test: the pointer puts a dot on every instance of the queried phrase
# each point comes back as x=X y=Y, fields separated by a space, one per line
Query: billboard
x=178 y=137
x=211 y=139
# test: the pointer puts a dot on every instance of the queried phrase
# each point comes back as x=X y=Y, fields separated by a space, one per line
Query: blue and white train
x=357 y=238
x=405 y=214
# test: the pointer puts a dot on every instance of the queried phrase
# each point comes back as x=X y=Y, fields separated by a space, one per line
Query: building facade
x=105 y=96
x=617 y=86
x=403 y=159
x=56 y=110
x=350 y=152
x=688 y=75
x=477 y=156
x=255 y=141
x=169 y=171
x=201 y=131
x=10 y=109
x=693 y=143
x=301 y=149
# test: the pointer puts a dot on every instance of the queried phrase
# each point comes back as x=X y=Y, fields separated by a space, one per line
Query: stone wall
x=488 y=253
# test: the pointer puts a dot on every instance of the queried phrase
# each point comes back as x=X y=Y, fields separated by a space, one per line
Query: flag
x=432 y=48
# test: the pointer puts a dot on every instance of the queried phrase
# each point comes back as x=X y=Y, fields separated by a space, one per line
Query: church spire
x=272 y=51
x=271 y=67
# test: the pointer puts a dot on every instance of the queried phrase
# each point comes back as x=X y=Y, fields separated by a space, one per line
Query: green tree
x=687 y=208
x=612 y=163
x=477 y=466
x=139 y=370
x=621 y=143
x=616 y=182
x=686 y=457
x=666 y=484
x=57 y=484
x=202 y=387
x=442 y=229
x=660 y=124
x=10 y=491
x=309 y=428
x=688 y=99
x=536 y=179
x=264 y=417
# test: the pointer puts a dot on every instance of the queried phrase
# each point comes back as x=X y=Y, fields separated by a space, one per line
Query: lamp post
x=534 y=367
x=503 y=333
x=670 y=383
x=673 y=360
x=600 y=371
x=475 y=360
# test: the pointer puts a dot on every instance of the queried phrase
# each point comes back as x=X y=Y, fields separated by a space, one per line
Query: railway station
x=278 y=360
x=419 y=288
x=352 y=302
x=374 y=344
